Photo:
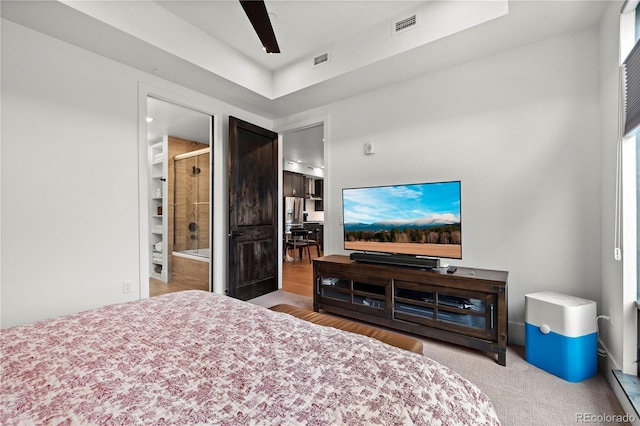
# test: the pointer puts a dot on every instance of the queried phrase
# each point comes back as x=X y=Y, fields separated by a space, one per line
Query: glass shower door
x=191 y=203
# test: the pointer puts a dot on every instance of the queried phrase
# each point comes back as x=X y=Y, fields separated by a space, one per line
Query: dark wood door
x=253 y=211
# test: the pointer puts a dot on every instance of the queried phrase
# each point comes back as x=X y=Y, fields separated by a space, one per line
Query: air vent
x=320 y=59
x=405 y=24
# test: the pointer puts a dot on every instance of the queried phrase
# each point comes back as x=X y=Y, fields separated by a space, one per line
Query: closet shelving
x=158 y=170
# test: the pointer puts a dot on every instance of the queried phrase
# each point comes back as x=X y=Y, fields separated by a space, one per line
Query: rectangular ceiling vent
x=320 y=59
x=405 y=24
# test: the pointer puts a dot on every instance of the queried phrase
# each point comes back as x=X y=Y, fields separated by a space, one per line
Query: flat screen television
x=420 y=219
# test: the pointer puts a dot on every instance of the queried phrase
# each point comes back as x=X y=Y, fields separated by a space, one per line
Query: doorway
x=303 y=181
x=179 y=140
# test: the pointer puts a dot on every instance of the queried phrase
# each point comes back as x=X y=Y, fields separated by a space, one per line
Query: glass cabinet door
x=473 y=314
x=335 y=288
x=366 y=295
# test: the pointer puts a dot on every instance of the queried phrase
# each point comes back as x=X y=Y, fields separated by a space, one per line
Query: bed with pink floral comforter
x=198 y=358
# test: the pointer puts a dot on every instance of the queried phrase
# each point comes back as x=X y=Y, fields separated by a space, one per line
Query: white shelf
x=158 y=169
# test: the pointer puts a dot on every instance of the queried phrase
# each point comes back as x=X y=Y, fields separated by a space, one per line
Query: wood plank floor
x=297 y=277
x=157 y=287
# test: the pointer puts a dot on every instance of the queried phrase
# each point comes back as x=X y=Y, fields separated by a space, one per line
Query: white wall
x=520 y=130
x=612 y=288
x=70 y=139
x=617 y=296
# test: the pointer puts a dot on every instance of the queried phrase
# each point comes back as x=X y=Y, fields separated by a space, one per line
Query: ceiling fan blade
x=257 y=13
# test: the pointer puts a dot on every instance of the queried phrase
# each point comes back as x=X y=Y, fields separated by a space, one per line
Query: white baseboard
x=516 y=333
x=607 y=365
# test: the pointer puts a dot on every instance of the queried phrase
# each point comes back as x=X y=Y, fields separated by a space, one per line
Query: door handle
x=235 y=233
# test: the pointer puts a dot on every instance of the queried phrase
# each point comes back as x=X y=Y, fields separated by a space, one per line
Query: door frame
x=216 y=223
x=289 y=127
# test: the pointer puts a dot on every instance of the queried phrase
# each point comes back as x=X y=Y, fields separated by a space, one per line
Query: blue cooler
x=561 y=335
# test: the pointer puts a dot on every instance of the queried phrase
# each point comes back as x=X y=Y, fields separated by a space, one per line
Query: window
x=628 y=177
x=637 y=176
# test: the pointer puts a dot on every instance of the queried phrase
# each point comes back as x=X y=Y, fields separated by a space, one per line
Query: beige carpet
x=522 y=394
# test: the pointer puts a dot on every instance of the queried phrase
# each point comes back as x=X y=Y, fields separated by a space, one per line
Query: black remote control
x=451 y=269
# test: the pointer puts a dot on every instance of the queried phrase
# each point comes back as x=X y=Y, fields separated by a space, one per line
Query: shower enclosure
x=191 y=203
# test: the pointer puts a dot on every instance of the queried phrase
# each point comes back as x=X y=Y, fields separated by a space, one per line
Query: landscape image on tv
x=416 y=219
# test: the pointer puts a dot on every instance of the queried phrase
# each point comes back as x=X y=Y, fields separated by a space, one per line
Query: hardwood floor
x=157 y=287
x=297 y=277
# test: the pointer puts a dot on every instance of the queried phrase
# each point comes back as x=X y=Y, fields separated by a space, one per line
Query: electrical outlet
x=126 y=287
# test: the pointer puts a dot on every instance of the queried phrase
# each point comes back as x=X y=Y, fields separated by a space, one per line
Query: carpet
x=522 y=394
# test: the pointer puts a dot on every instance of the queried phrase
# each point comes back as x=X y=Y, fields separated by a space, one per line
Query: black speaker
x=396 y=259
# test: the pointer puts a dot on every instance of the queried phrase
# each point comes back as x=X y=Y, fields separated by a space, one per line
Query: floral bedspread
x=198 y=358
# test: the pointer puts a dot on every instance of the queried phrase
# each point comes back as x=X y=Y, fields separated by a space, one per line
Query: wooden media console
x=468 y=307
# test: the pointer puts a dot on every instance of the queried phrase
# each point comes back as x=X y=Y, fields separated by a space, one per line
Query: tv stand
x=467 y=307
x=396 y=259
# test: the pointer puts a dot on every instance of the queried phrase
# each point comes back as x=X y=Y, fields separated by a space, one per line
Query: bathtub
x=192 y=267
x=202 y=255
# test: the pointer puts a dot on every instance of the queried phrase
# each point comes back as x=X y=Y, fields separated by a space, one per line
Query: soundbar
x=396 y=259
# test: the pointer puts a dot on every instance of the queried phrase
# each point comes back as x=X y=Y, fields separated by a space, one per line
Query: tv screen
x=421 y=219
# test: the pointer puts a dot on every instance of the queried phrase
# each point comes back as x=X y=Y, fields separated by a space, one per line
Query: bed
x=198 y=358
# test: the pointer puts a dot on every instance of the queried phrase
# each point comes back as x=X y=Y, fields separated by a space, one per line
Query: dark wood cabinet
x=319 y=192
x=468 y=307
x=293 y=184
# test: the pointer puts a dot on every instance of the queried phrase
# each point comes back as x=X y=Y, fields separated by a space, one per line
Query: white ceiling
x=305 y=146
x=210 y=46
x=302 y=28
x=178 y=121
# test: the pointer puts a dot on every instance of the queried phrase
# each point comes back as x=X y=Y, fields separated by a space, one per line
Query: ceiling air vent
x=405 y=24
x=320 y=59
